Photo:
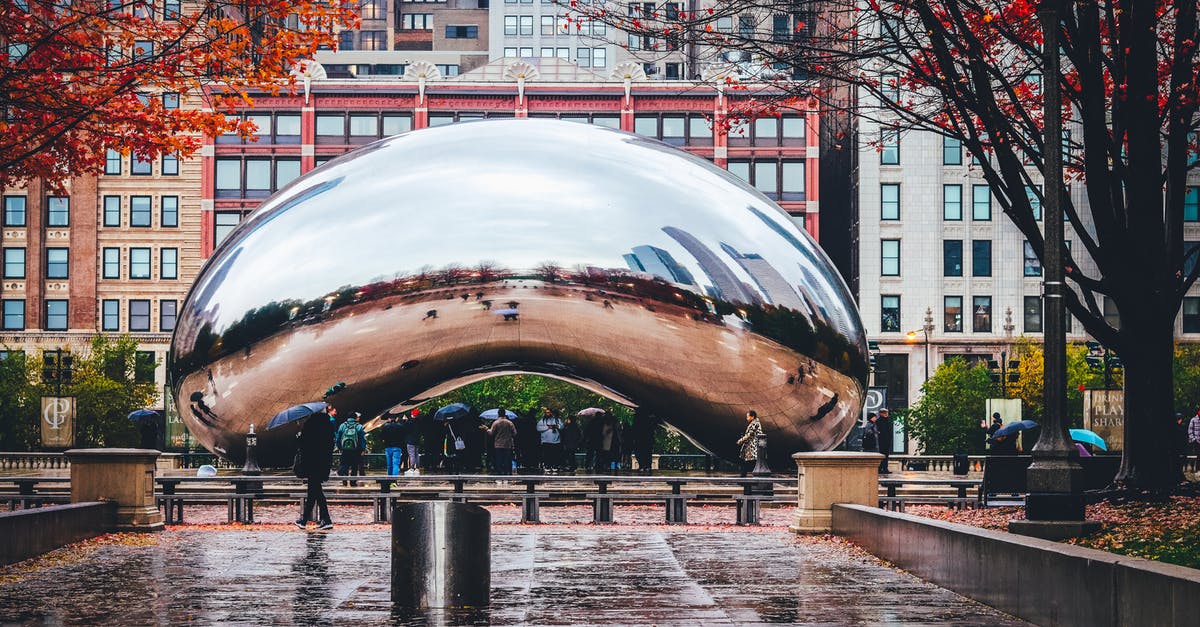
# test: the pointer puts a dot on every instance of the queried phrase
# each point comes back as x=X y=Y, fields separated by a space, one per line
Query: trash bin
x=961 y=464
x=441 y=555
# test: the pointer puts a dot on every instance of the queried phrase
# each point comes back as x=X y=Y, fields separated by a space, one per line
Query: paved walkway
x=575 y=574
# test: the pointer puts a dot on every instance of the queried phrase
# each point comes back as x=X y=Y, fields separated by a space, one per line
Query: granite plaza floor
x=541 y=575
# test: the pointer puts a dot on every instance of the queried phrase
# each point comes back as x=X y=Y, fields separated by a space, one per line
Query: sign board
x=875 y=401
x=176 y=434
x=58 y=422
x=1104 y=413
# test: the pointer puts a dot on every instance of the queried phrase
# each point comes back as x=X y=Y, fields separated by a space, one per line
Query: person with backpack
x=351 y=439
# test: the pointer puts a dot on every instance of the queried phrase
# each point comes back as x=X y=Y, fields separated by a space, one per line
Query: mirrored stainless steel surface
x=448 y=255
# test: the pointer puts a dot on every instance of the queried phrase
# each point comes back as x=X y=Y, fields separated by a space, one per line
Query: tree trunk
x=1147 y=346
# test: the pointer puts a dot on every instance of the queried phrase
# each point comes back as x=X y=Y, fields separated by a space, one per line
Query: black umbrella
x=297 y=412
x=143 y=414
x=453 y=411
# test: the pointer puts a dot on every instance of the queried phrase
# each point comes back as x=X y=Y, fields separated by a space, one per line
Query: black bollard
x=441 y=555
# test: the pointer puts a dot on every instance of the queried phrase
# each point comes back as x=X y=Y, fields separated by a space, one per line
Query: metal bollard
x=441 y=555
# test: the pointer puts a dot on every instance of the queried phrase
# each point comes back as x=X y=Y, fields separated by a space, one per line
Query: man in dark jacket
x=885 y=439
x=351 y=441
x=572 y=437
x=503 y=434
x=392 y=436
x=316 y=456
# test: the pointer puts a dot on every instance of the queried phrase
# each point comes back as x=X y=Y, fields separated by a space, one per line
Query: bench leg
x=602 y=509
x=230 y=516
x=381 y=515
x=747 y=512
x=676 y=510
x=248 y=511
x=529 y=509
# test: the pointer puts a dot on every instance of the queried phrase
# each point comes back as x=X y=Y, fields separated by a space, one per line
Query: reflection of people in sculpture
x=749 y=442
x=201 y=410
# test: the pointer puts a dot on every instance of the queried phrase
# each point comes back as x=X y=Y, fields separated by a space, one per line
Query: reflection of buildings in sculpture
x=773 y=285
x=823 y=283
x=658 y=262
x=725 y=284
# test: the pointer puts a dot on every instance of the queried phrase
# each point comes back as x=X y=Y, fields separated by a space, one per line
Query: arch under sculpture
x=443 y=256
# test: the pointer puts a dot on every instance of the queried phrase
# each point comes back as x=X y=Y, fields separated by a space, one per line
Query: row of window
x=550 y=25
x=952 y=258
x=254 y=178
x=952 y=314
x=584 y=57
x=776 y=179
x=139 y=263
x=114 y=164
x=57 y=315
x=141 y=211
x=146 y=9
x=58 y=210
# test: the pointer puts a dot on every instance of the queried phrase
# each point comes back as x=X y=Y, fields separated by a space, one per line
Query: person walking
x=412 y=442
x=351 y=440
x=885 y=439
x=749 y=442
x=572 y=437
x=315 y=443
x=870 y=439
x=1194 y=433
x=392 y=435
x=503 y=434
x=548 y=427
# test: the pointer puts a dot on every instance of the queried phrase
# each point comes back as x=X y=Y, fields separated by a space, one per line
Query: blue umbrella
x=297 y=412
x=143 y=414
x=492 y=414
x=1014 y=427
x=1088 y=437
x=453 y=411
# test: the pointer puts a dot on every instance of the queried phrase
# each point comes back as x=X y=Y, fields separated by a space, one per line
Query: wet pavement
x=545 y=575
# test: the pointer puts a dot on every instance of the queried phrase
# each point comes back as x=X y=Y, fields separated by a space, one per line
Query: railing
x=941 y=463
x=33 y=461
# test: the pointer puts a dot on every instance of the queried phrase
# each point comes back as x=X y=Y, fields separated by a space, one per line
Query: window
x=139 y=211
x=396 y=124
x=981 y=257
x=766 y=178
x=143 y=50
x=14 y=314
x=547 y=26
x=1033 y=314
x=981 y=318
x=170 y=100
x=372 y=10
x=169 y=216
x=673 y=129
x=58 y=211
x=258 y=176
x=583 y=56
x=223 y=224
x=725 y=24
x=373 y=40
x=526 y=25
x=139 y=315
x=952 y=202
x=1191 y=205
x=111 y=263
x=1191 y=315
x=1035 y=203
x=14 y=211
x=510 y=53
x=364 y=125
x=286 y=171
x=981 y=202
x=646 y=125
x=143 y=366
x=139 y=263
x=331 y=125
x=170 y=165
x=168 y=311
x=889 y=254
x=889 y=314
x=1033 y=267
x=464 y=32
x=889 y=201
x=112 y=162
x=740 y=169
x=889 y=87
x=510 y=25
x=766 y=132
x=112 y=211
x=952 y=314
x=56 y=315
x=229 y=175
x=141 y=166
x=417 y=21
x=1190 y=257
x=793 y=180
x=1111 y=315
x=793 y=129
x=889 y=145
x=599 y=57
x=287 y=127
x=952 y=257
x=14 y=263
x=699 y=131
x=110 y=315
x=58 y=263
x=951 y=151
x=168 y=263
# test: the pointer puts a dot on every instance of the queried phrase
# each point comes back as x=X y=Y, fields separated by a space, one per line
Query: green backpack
x=348 y=438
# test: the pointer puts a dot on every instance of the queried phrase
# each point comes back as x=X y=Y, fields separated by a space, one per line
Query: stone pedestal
x=123 y=475
x=833 y=477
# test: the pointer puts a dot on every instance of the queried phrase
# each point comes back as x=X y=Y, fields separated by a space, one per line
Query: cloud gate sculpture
x=440 y=257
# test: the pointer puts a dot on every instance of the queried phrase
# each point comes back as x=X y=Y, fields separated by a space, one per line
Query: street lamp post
x=1054 y=508
x=927 y=328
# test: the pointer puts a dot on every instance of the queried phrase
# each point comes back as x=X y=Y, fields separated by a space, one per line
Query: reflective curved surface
x=443 y=256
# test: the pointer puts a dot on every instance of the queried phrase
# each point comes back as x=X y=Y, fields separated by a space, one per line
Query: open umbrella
x=294 y=413
x=492 y=414
x=1014 y=427
x=1088 y=437
x=143 y=414
x=590 y=411
x=453 y=411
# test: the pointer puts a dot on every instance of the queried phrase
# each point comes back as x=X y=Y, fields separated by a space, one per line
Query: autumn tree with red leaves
x=80 y=77
x=972 y=70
